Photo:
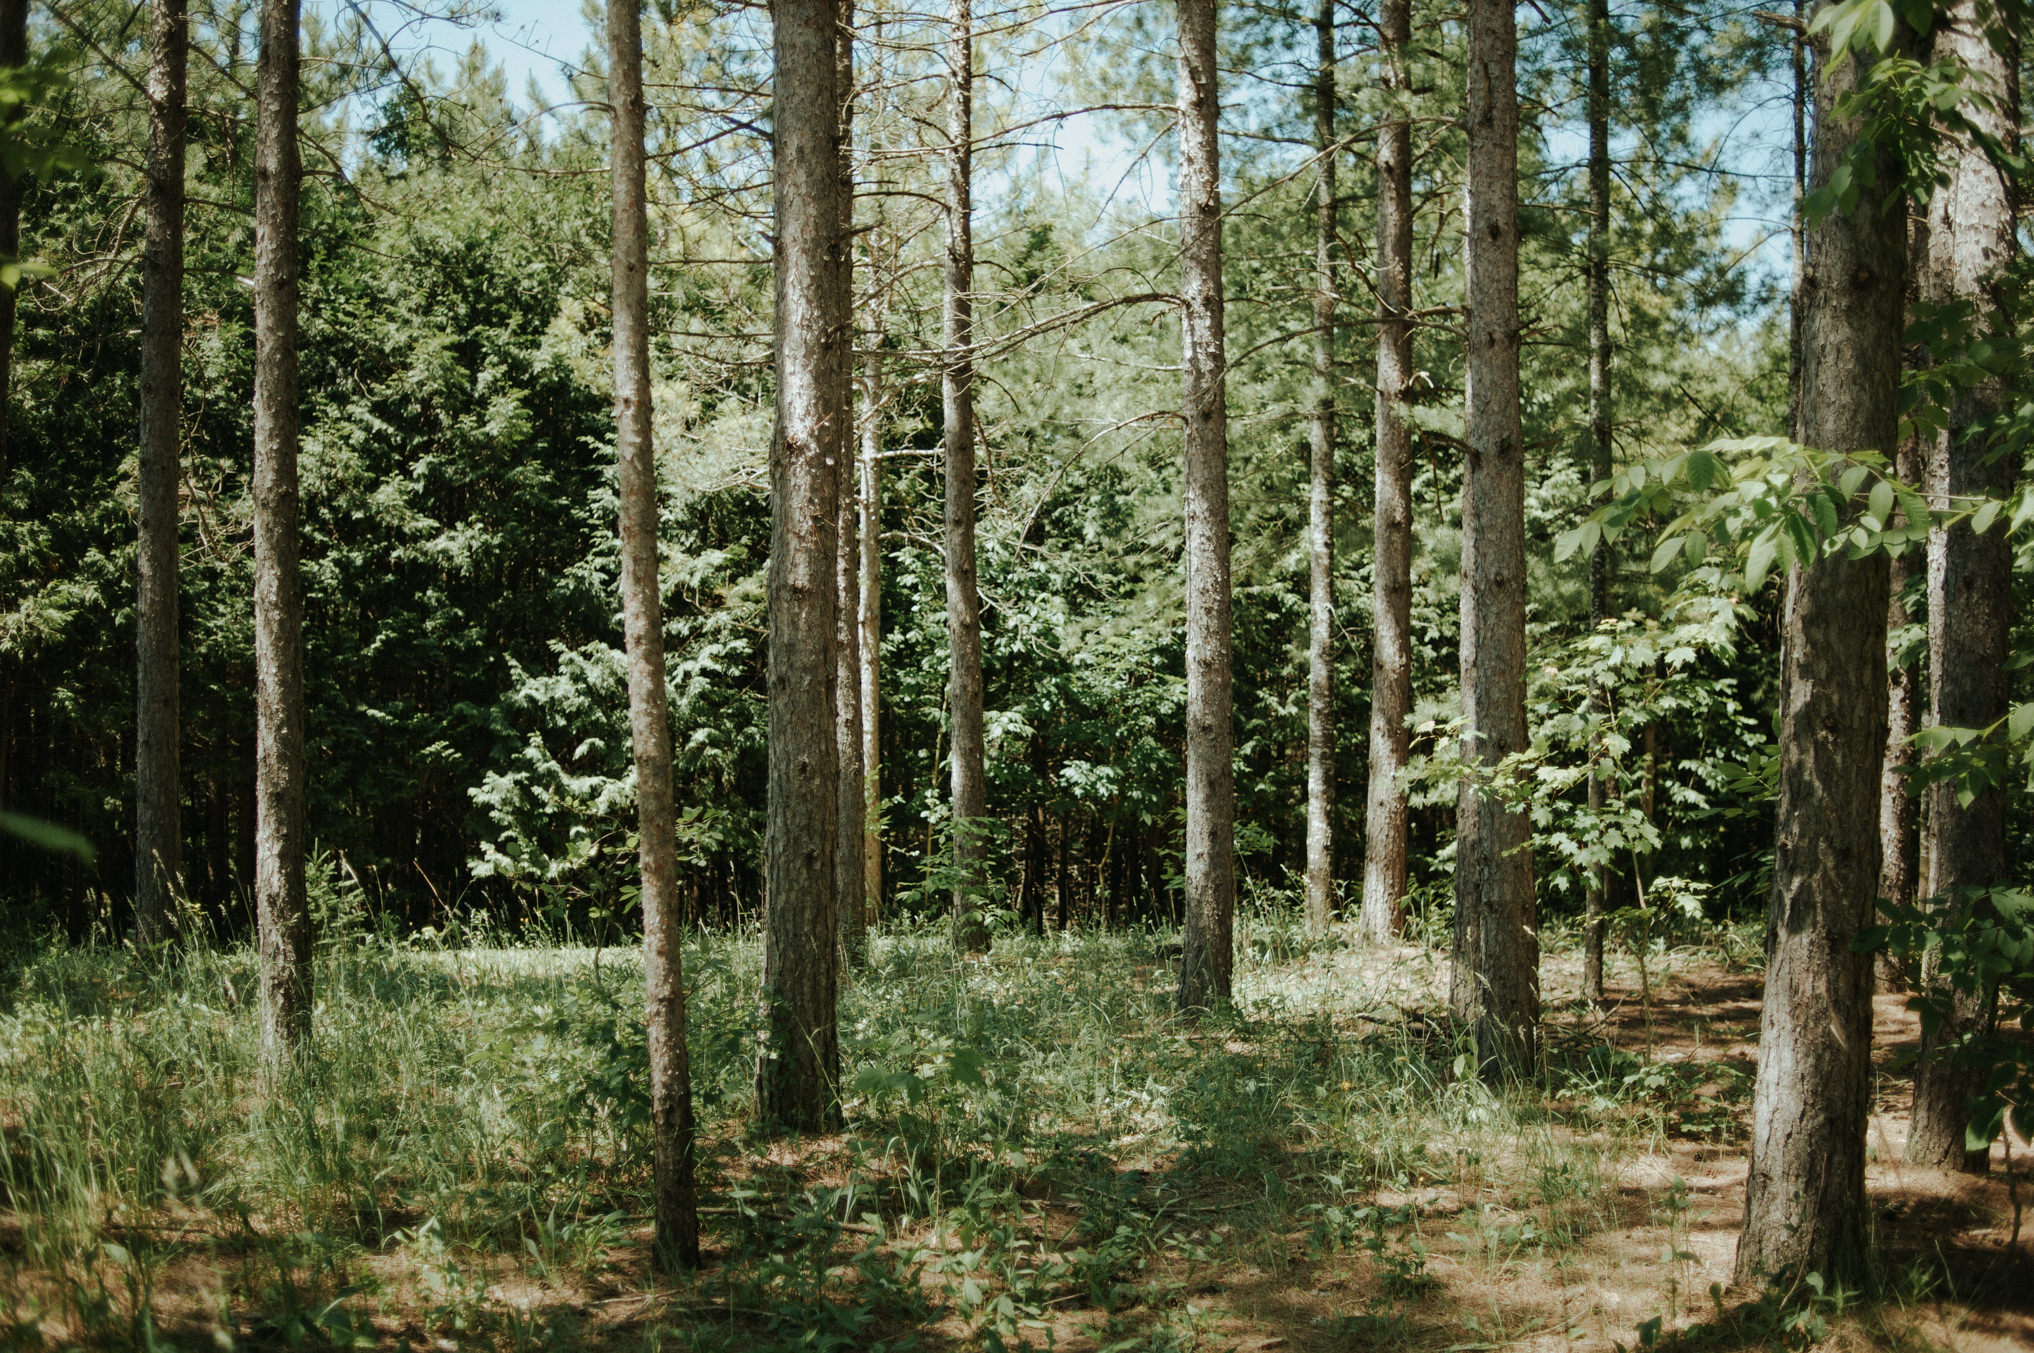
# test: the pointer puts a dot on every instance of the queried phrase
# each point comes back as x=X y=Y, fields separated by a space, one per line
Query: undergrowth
x=1036 y=1150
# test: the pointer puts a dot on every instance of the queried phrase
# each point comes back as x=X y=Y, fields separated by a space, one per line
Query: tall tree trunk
x=1495 y=984
x=1596 y=900
x=1798 y=222
x=870 y=645
x=671 y=1126
x=1321 y=500
x=1804 y=1195
x=1970 y=244
x=1898 y=810
x=849 y=866
x=1207 y=951
x=280 y=770
x=963 y=599
x=13 y=52
x=798 y=1060
x=1384 y=862
x=158 y=830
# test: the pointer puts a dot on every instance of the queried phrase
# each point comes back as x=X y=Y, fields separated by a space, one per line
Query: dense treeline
x=462 y=660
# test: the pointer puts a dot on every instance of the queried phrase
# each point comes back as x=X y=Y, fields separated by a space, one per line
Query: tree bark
x=280 y=770
x=1596 y=899
x=671 y=1124
x=798 y=1058
x=1495 y=984
x=1207 y=950
x=1970 y=244
x=1384 y=862
x=13 y=52
x=1804 y=1196
x=1898 y=809
x=849 y=867
x=1320 y=901
x=158 y=831
x=870 y=646
x=963 y=599
x=1798 y=222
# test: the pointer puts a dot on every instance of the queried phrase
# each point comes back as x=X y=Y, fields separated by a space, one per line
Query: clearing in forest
x=1037 y=1153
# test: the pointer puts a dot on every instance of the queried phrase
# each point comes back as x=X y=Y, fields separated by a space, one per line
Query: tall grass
x=1030 y=1134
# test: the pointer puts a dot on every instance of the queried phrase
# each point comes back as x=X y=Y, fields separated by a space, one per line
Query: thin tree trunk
x=1970 y=244
x=870 y=646
x=963 y=600
x=1495 y=984
x=1207 y=950
x=671 y=1125
x=280 y=770
x=1384 y=862
x=1804 y=1195
x=13 y=52
x=1798 y=221
x=798 y=1058
x=849 y=867
x=1595 y=901
x=158 y=831
x=1321 y=501
x=1899 y=810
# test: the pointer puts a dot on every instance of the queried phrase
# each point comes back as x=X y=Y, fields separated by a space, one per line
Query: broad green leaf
x=2020 y=722
x=1880 y=504
x=1987 y=513
x=1664 y=554
x=1849 y=480
x=1825 y=512
x=1759 y=561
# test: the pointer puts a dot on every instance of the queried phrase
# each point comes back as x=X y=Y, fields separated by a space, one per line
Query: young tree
x=1384 y=863
x=798 y=1060
x=1600 y=448
x=671 y=1126
x=1208 y=945
x=1804 y=1194
x=849 y=866
x=1965 y=245
x=957 y=393
x=1321 y=499
x=158 y=832
x=1495 y=982
x=279 y=767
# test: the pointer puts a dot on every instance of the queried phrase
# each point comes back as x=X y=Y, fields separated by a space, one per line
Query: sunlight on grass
x=1038 y=1150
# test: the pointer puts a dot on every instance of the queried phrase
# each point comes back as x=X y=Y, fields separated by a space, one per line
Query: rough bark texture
x=798 y=1057
x=1970 y=243
x=1207 y=947
x=849 y=864
x=1595 y=902
x=963 y=598
x=1384 y=857
x=158 y=832
x=279 y=767
x=1320 y=901
x=671 y=1127
x=13 y=52
x=1804 y=1195
x=1495 y=983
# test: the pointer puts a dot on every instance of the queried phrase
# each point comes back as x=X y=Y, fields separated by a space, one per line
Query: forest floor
x=1037 y=1153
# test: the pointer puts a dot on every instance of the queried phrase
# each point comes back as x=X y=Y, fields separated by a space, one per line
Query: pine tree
x=158 y=830
x=1804 y=1194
